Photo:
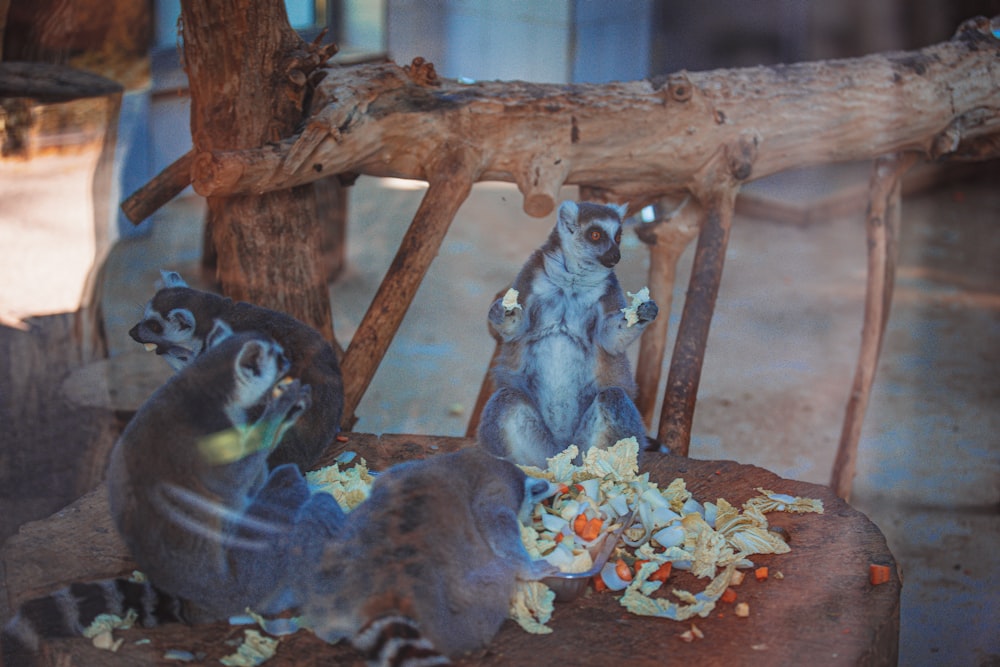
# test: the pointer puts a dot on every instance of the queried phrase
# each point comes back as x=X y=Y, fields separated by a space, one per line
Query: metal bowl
x=570 y=585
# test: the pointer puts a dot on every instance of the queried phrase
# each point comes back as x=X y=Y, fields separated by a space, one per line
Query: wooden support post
x=450 y=181
x=677 y=412
x=667 y=240
x=882 y=228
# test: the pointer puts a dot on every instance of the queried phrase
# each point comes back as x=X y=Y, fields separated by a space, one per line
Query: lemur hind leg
x=611 y=417
x=512 y=428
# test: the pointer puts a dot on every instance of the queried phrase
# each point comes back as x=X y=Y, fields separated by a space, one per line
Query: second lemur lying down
x=562 y=376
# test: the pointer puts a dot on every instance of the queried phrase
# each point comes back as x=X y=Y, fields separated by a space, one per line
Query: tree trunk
x=249 y=78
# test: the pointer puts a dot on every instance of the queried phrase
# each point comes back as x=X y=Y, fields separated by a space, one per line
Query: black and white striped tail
x=69 y=611
x=395 y=641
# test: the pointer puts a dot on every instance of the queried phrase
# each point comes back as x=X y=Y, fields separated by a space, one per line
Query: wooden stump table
x=823 y=611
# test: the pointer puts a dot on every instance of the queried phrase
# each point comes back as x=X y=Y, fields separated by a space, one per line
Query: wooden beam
x=631 y=139
x=882 y=226
x=451 y=180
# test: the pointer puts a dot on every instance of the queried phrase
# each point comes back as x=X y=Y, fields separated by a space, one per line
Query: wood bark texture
x=823 y=605
x=882 y=227
x=635 y=140
x=249 y=76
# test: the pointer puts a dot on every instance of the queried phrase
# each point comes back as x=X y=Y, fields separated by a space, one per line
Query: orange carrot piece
x=592 y=529
x=878 y=574
x=622 y=570
x=729 y=596
x=580 y=524
x=599 y=584
x=663 y=573
x=760 y=573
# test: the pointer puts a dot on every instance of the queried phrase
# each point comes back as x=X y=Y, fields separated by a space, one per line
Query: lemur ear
x=622 y=210
x=170 y=279
x=220 y=332
x=568 y=214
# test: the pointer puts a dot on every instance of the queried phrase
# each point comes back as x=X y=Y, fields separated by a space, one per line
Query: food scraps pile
x=669 y=529
x=656 y=530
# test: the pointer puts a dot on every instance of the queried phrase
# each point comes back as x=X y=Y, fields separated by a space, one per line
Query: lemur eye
x=595 y=235
x=618 y=237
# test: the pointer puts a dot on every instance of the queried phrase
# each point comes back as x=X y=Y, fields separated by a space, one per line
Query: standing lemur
x=562 y=376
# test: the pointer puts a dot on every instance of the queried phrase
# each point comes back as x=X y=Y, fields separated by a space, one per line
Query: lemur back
x=178 y=319
x=428 y=564
x=562 y=376
x=191 y=494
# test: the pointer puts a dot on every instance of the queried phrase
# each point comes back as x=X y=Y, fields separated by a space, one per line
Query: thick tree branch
x=640 y=138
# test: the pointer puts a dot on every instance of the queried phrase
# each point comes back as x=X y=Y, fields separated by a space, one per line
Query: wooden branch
x=667 y=240
x=169 y=183
x=632 y=139
x=718 y=202
x=451 y=180
x=883 y=250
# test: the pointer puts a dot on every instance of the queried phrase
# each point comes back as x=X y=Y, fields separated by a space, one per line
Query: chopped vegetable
x=631 y=313
x=509 y=301
x=729 y=596
x=349 y=486
x=592 y=530
x=878 y=574
x=760 y=573
x=532 y=607
x=671 y=530
x=255 y=649
x=742 y=609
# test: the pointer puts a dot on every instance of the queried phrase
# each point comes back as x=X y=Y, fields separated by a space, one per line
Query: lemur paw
x=501 y=317
x=647 y=311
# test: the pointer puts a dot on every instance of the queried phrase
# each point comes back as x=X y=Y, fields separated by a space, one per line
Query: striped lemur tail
x=396 y=641
x=69 y=611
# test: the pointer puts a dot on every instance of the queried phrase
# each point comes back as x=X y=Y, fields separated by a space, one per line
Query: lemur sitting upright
x=175 y=325
x=562 y=376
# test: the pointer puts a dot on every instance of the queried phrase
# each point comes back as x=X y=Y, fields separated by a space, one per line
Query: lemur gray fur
x=177 y=320
x=191 y=494
x=562 y=376
x=428 y=564
x=424 y=569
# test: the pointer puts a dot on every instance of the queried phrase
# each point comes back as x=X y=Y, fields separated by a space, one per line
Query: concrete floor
x=776 y=378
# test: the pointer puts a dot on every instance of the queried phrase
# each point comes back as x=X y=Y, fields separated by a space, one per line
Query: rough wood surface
x=636 y=139
x=823 y=608
x=882 y=226
x=249 y=75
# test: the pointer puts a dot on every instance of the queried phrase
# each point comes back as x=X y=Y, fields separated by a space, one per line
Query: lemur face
x=592 y=233
x=169 y=331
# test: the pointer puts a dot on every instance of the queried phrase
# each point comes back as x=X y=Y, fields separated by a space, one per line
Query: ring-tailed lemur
x=562 y=376
x=177 y=320
x=423 y=569
x=191 y=494
x=428 y=564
